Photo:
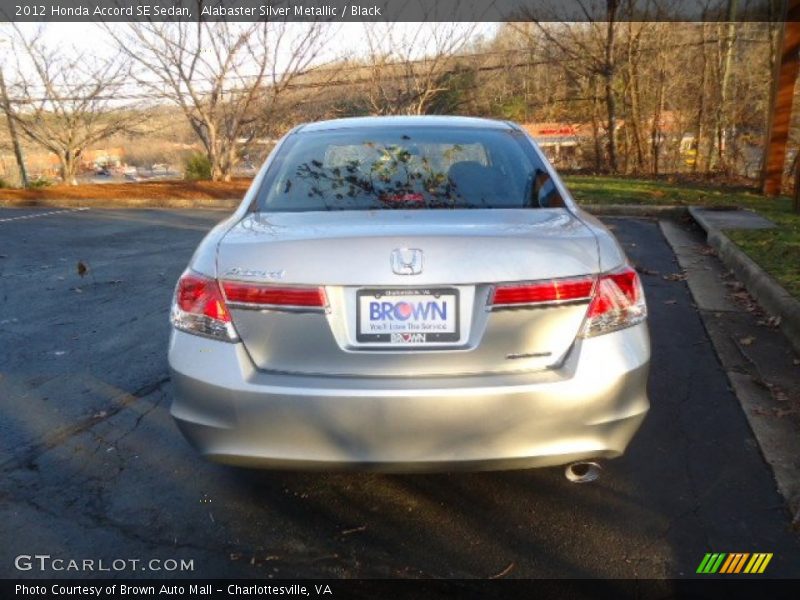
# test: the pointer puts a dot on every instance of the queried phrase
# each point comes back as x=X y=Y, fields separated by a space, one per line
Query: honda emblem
x=407 y=261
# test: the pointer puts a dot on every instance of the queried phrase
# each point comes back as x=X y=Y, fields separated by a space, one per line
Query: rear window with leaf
x=389 y=168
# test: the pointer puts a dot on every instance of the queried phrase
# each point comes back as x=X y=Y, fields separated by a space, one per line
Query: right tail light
x=618 y=302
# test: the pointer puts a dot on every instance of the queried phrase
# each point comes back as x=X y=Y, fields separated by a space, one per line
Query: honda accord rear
x=409 y=294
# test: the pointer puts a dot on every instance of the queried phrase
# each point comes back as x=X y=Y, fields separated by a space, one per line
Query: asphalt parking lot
x=91 y=465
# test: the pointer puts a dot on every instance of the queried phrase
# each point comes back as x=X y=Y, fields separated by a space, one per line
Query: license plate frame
x=390 y=338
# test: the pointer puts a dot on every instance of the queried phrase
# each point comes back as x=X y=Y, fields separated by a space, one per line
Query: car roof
x=433 y=121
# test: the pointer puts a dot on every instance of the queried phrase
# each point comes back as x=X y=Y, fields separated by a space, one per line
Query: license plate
x=418 y=316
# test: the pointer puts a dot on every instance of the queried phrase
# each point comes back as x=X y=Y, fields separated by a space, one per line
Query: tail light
x=251 y=295
x=618 y=302
x=199 y=308
x=616 y=299
x=542 y=292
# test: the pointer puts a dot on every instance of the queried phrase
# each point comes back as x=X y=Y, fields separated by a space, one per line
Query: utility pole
x=784 y=77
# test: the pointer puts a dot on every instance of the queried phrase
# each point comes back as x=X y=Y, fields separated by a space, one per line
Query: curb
x=635 y=210
x=777 y=437
x=205 y=203
x=610 y=210
x=768 y=292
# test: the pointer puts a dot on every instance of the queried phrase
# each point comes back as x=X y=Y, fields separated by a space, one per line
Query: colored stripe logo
x=734 y=562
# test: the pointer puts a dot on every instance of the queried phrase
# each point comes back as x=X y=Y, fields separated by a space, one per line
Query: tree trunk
x=633 y=67
x=12 y=132
x=626 y=151
x=726 y=120
x=598 y=150
x=69 y=166
x=229 y=163
x=216 y=169
x=656 y=130
x=796 y=194
x=608 y=78
x=215 y=162
x=701 y=103
x=212 y=144
x=722 y=121
x=715 y=125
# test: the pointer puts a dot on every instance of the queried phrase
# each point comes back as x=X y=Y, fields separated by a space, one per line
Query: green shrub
x=38 y=183
x=197 y=166
x=3 y=183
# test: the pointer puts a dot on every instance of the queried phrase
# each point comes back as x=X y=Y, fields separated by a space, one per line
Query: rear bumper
x=589 y=408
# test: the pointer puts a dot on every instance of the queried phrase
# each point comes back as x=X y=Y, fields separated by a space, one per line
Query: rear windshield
x=404 y=168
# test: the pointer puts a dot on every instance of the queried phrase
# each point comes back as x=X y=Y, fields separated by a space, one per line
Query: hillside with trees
x=614 y=96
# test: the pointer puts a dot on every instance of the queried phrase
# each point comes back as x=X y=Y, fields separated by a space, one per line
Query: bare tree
x=409 y=67
x=64 y=100
x=633 y=92
x=5 y=105
x=590 y=50
x=225 y=77
x=727 y=43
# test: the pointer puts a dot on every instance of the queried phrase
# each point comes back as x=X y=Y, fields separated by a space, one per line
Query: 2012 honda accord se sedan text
x=407 y=294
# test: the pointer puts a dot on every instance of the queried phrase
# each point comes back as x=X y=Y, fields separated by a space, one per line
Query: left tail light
x=284 y=298
x=199 y=308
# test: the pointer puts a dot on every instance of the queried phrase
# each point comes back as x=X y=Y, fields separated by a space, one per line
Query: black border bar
x=388 y=10
x=730 y=588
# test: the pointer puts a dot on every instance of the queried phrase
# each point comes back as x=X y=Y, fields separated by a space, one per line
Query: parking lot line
x=44 y=214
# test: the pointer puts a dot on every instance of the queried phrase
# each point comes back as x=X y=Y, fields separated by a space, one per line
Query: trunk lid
x=464 y=252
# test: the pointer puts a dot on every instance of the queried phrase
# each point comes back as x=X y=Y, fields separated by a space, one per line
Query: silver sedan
x=409 y=294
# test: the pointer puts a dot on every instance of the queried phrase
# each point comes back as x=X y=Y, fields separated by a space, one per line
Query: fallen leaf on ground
x=747 y=340
x=354 y=530
x=504 y=572
x=746 y=301
x=674 y=277
x=780 y=395
x=784 y=412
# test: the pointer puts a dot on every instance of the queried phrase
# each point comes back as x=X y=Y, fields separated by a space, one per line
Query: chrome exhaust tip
x=583 y=472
